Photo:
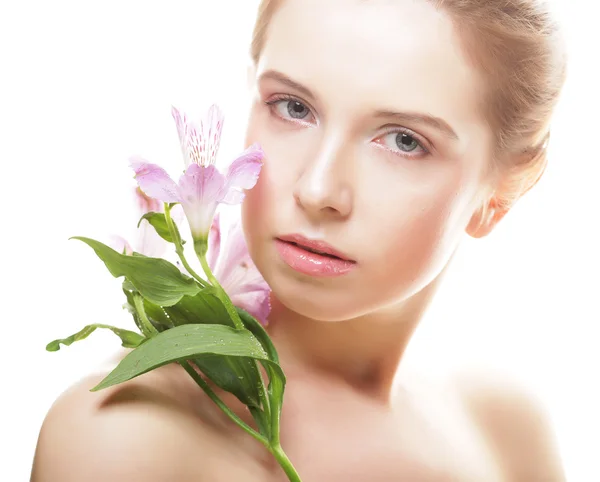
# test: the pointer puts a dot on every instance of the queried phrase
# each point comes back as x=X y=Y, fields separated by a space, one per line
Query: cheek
x=255 y=215
x=267 y=206
x=413 y=239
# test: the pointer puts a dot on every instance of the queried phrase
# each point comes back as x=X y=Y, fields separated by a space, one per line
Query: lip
x=321 y=246
x=297 y=252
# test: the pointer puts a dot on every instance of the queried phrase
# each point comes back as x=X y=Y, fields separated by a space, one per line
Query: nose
x=324 y=189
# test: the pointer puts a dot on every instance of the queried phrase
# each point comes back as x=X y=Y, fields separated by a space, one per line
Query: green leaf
x=154 y=313
x=157 y=316
x=129 y=339
x=204 y=307
x=157 y=280
x=159 y=223
x=277 y=378
x=259 y=332
x=183 y=343
x=236 y=375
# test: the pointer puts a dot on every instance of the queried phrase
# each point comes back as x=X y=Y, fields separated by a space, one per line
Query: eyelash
x=281 y=97
x=397 y=130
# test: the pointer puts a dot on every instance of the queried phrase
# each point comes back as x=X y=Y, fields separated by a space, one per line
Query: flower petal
x=181 y=124
x=257 y=303
x=154 y=181
x=120 y=245
x=235 y=260
x=210 y=135
x=214 y=243
x=145 y=203
x=239 y=276
x=189 y=137
x=243 y=174
x=201 y=189
x=199 y=140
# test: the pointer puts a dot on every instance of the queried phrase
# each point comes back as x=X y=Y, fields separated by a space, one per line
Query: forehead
x=389 y=54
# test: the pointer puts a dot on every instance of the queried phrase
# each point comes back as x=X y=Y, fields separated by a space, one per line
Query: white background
x=84 y=85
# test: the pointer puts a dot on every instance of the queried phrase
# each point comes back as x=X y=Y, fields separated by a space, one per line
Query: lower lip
x=310 y=263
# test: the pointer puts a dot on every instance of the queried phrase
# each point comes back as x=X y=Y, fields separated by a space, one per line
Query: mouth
x=320 y=248
x=311 y=250
x=313 y=258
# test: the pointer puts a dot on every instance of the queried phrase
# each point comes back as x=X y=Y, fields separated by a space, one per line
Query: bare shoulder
x=515 y=423
x=143 y=429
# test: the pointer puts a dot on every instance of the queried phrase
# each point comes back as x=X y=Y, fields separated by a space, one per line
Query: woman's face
x=367 y=113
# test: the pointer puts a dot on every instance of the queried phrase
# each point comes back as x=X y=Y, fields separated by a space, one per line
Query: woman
x=390 y=128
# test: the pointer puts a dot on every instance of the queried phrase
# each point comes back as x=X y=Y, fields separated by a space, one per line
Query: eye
x=289 y=108
x=403 y=142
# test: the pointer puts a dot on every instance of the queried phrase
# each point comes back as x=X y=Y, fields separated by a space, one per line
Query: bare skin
x=335 y=171
x=161 y=427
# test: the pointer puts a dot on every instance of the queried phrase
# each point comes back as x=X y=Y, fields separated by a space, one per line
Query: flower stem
x=285 y=463
x=237 y=321
x=275 y=449
x=215 y=398
x=147 y=328
x=221 y=294
x=179 y=247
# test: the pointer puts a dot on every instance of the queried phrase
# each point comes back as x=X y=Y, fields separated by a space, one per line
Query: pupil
x=406 y=142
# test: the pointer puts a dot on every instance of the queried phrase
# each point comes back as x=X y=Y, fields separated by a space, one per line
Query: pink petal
x=193 y=146
x=177 y=215
x=210 y=135
x=243 y=174
x=257 y=303
x=154 y=181
x=189 y=138
x=120 y=245
x=145 y=203
x=199 y=140
x=214 y=243
x=180 y=123
x=201 y=189
x=235 y=260
x=149 y=243
x=239 y=276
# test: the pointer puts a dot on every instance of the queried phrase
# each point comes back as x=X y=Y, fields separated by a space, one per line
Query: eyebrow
x=411 y=117
x=284 y=79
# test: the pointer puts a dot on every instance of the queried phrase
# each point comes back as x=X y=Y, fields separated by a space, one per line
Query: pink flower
x=235 y=271
x=202 y=187
x=149 y=243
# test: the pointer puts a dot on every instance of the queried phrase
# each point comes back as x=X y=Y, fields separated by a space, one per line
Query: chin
x=311 y=299
x=316 y=310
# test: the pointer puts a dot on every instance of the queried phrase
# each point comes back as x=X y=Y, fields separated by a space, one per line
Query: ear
x=485 y=219
x=508 y=190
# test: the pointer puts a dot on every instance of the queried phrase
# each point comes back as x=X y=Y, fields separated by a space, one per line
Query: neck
x=363 y=353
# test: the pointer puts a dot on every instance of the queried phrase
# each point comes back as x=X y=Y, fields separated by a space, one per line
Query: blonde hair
x=518 y=48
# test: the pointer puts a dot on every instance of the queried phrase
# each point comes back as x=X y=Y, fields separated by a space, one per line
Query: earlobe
x=485 y=219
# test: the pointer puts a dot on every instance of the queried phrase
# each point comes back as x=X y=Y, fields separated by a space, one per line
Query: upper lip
x=321 y=246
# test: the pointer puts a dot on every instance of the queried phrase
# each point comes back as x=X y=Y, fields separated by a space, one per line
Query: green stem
x=285 y=463
x=275 y=413
x=275 y=449
x=237 y=321
x=221 y=294
x=215 y=398
x=179 y=247
x=147 y=328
